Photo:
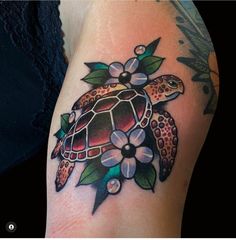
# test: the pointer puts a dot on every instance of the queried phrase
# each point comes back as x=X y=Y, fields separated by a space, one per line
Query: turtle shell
x=122 y=110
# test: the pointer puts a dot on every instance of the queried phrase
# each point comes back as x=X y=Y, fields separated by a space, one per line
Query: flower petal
x=115 y=69
x=144 y=154
x=119 y=139
x=138 y=79
x=131 y=65
x=137 y=137
x=128 y=85
x=128 y=167
x=111 y=158
x=112 y=80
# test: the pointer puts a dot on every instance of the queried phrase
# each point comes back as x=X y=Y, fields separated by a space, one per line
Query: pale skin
x=110 y=31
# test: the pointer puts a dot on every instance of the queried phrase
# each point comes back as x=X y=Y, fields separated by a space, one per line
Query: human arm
x=110 y=33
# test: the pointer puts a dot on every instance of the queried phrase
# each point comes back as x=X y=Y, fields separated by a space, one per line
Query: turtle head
x=164 y=88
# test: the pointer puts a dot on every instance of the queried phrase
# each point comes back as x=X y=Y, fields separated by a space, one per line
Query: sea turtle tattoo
x=120 y=126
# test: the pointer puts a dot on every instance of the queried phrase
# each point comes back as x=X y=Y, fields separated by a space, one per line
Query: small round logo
x=11 y=227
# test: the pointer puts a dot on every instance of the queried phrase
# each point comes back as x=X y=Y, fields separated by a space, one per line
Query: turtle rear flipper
x=64 y=171
x=165 y=133
x=56 y=149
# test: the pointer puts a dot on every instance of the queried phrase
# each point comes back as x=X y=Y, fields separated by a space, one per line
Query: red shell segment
x=121 y=110
x=81 y=155
x=79 y=141
x=93 y=152
x=83 y=121
x=124 y=117
x=140 y=103
x=100 y=129
x=105 y=105
x=126 y=95
x=73 y=156
x=107 y=147
x=68 y=143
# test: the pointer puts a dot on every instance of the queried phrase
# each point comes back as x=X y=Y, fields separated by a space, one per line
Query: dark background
x=210 y=208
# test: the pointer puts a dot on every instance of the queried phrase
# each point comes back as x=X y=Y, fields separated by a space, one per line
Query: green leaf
x=201 y=77
x=114 y=172
x=199 y=55
x=197 y=41
x=65 y=126
x=102 y=192
x=60 y=134
x=97 y=77
x=93 y=172
x=212 y=103
x=145 y=176
x=150 y=49
x=151 y=64
x=97 y=66
x=196 y=64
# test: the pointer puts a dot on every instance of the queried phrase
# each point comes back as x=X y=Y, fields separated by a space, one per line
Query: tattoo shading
x=120 y=126
x=203 y=59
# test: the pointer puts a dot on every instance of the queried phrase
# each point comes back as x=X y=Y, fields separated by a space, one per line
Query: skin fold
x=108 y=31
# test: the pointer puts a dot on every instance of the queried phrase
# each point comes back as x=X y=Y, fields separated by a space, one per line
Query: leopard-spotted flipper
x=93 y=95
x=64 y=171
x=165 y=133
x=56 y=150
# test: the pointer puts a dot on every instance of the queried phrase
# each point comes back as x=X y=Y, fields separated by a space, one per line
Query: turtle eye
x=172 y=84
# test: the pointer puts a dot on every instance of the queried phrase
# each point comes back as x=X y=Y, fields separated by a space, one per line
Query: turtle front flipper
x=165 y=133
x=94 y=94
x=64 y=171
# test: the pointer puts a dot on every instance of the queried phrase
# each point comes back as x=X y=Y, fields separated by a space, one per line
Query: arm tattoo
x=120 y=127
x=203 y=59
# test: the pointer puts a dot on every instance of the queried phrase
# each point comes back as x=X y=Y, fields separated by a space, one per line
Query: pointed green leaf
x=60 y=134
x=114 y=172
x=97 y=77
x=145 y=176
x=212 y=103
x=201 y=77
x=93 y=172
x=198 y=42
x=97 y=66
x=150 y=49
x=199 y=55
x=151 y=64
x=191 y=17
x=196 y=64
x=102 y=192
x=101 y=195
x=65 y=122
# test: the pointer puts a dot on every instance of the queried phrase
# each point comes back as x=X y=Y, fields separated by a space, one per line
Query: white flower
x=127 y=152
x=125 y=74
